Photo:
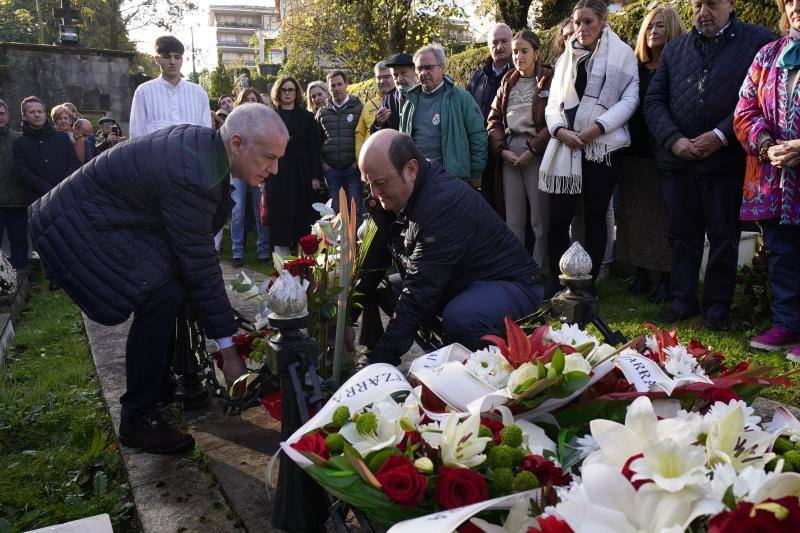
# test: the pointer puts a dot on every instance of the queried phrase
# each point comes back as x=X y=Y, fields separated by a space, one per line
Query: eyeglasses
x=288 y=91
x=384 y=77
x=424 y=68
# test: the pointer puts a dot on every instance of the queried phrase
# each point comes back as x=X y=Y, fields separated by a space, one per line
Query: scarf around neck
x=610 y=71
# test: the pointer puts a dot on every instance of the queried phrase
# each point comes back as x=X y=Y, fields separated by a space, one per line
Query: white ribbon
x=447 y=521
x=645 y=374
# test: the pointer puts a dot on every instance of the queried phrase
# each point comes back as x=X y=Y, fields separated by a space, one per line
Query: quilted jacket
x=695 y=90
x=134 y=217
x=339 y=126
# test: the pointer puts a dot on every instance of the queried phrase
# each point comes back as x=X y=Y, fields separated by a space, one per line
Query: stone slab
x=93 y=524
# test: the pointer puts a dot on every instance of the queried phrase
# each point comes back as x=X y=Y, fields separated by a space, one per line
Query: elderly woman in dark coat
x=289 y=193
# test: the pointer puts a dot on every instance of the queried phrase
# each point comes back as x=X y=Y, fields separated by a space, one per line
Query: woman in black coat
x=289 y=193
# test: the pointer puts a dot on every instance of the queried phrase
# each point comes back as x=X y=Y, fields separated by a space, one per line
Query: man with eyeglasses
x=444 y=120
x=483 y=84
x=168 y=100
x=385 y=84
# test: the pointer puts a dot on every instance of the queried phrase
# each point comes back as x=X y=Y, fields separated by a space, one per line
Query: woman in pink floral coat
x=767 y=123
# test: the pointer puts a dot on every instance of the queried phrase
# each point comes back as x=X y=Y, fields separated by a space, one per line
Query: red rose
x=314 y=443
x=243 y=343
x=628 y=473
x=546 y=471
x=551 y=524
x=309 y=244
x=300 y=267
x=722 y=394
x=402 y=483
x=777 y=515
x=457 y=487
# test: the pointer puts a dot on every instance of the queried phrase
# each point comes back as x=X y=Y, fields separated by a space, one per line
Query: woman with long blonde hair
x=642 y=216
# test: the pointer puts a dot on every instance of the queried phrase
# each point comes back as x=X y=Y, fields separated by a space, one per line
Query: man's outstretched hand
x=232 y=365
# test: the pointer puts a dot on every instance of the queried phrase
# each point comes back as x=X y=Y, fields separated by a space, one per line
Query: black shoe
x=641 y=284
x=717 y=322
x=153 y=434
x=661 y=293
x=237 y=262
x=671 y=315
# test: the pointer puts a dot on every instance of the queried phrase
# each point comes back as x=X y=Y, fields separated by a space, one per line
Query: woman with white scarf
x=595 y=90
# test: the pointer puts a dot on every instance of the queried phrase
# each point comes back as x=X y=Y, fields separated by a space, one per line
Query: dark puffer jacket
x=483 y=84
x=44 y=157
x=446 y=238
x=696 y=89
x=12 y=192
x=339 y=127
x=135 y=217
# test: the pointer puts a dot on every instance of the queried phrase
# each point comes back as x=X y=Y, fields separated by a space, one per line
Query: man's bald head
x=82 y=127
x=389 y=163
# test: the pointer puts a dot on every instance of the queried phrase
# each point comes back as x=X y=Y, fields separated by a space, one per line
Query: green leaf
x=572 y=381
x=729 y=499
x=558 y=362
x=542 y=370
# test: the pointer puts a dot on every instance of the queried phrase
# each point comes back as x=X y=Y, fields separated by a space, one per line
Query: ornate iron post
x=301 y=505
x=576 y=304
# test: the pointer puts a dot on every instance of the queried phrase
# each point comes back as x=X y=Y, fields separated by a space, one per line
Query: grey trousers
x=520 y=189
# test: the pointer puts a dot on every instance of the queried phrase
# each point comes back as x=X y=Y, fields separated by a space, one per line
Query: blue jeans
x=350 y=179
x=783 y=252
x=239 y=195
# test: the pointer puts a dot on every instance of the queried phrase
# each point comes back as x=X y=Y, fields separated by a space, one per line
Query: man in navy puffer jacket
x=133 y=232
x=689 y=108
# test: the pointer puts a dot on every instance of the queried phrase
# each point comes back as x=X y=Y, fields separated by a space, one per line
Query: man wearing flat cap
x=169 y=99
x=109 y=134
x=401 y=67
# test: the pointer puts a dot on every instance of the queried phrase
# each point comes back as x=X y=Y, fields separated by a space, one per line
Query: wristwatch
x=763 y=151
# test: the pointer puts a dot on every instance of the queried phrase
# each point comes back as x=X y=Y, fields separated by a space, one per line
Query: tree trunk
x=514 y=12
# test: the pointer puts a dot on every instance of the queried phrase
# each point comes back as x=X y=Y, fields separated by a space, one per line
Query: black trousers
x=700 y=205
x=151 y=343
x=15 y=221
x=597 y=187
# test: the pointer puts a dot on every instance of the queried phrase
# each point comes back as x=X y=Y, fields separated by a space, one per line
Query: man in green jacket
x=444 y=120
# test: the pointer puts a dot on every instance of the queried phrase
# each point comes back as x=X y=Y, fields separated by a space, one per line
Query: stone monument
x=97 y=81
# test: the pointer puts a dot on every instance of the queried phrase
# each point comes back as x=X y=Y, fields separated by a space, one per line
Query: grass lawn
x=627 y=313
x=58 y=458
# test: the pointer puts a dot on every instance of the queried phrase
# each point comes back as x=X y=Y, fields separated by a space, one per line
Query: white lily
x=671 y=466
x=458 y=442
x=518 y=520
x=728 y=442
x=394 y=420
x=605 y=502
x=618 y=443
x=720 y=409
x=388 y=433
x=754 y=484
x=600 y=354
